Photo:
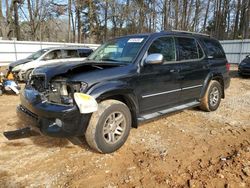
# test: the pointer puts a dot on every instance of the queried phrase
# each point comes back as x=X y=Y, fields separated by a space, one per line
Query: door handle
x=174 y=70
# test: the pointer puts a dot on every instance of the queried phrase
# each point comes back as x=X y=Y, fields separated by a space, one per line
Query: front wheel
x=109 y=127
x=28 y=75
x=212 y=97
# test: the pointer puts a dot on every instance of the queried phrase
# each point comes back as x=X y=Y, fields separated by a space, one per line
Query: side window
x=214 y=48
x=187 y=48
x=70 y=53
x=84 y=52
x=55 y=54
x=165 y=46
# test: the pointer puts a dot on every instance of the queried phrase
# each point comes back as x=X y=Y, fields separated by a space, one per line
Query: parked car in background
x=125 y=81
x=23 y=68
x=244 y=67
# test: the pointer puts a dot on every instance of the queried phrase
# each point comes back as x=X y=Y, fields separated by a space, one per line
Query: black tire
x=1 y=92
x=100 y=131
x=27 y=75
x=212 y=98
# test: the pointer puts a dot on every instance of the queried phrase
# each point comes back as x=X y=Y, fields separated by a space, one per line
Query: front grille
x=38 y=82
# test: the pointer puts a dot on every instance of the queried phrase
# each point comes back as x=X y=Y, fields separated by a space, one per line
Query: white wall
x=236 y=50
x=11 y=50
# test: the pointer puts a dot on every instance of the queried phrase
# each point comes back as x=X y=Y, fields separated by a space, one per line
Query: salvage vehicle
x=244 y=67
x=126 y=81
x=23 y=68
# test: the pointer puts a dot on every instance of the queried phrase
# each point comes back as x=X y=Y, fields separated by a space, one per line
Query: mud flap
x=20 y=133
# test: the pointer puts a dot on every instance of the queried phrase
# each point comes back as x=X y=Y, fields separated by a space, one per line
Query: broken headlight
x=62 y=92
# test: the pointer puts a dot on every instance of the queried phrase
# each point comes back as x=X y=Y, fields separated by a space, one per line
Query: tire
x=100 y=135
x=1 y=92
x=212 y=98
x=27 y=75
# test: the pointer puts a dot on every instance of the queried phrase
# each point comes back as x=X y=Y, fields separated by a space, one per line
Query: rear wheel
x=109 y=127
x=212 y=97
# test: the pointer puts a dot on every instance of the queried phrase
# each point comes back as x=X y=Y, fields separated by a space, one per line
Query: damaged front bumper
x=51 y=119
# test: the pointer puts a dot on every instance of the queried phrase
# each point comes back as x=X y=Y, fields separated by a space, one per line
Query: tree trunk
x=246 y=30
x=32 y=21
x=106 y=20
x=176 y=13
x=78 y=17
x=165 y=15
x=236 y=23
x=206 y=15
x=16 y=20
x=1 y=20
x=141 y=16
x=69 y=20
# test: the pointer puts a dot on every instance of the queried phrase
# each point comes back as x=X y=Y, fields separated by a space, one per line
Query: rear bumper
x=51 y=119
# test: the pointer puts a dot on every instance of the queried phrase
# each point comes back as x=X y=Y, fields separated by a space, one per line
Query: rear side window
x=164 y=46
x=84 y=52
x=187 y=49
x=70 y=53
x=214 y=48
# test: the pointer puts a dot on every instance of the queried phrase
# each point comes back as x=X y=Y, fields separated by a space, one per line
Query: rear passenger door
x=193 y=68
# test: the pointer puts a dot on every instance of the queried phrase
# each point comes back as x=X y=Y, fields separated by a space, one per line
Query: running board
x=167 y=111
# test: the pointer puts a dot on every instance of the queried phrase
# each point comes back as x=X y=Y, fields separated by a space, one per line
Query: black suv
x=125 y=81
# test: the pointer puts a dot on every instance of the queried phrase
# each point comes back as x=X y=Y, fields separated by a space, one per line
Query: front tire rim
x=214 y=96
x=114 y=127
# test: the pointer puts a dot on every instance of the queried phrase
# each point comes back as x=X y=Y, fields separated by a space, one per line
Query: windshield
x=37 y=54
x=119 y=50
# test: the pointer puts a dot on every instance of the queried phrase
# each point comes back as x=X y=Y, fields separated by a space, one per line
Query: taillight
x=228 y=66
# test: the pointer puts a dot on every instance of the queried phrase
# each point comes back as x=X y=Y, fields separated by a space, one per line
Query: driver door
x=159 y=86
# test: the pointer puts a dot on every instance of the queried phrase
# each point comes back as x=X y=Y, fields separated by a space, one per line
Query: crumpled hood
x=19 y=62
x=73 y=70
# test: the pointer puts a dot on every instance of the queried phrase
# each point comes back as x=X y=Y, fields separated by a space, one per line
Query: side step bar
x=169 y=110
x=20 y=133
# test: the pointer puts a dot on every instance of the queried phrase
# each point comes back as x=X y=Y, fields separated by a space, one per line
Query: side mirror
x=247 y=56
x=153 y=59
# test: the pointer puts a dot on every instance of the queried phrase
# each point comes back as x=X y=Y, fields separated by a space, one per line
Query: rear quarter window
x=214 y=48
x=84 y=52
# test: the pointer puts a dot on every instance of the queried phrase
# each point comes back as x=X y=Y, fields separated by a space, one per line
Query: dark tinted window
x=214 y=48
x=84 y=52
x=165 y=46
x=187 y=48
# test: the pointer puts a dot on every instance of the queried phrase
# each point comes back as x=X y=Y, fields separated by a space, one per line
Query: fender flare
x=213 y=76
x=114 y=89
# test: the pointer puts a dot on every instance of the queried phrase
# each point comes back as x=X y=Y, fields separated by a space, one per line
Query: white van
x=23 y=68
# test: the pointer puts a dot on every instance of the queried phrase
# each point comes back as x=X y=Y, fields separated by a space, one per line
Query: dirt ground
x=186 y=149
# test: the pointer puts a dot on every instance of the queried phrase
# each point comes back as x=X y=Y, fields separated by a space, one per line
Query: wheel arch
x=123 y=94
x=215 y=76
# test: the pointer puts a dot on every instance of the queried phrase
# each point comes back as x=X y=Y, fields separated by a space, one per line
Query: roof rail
x=189 y=32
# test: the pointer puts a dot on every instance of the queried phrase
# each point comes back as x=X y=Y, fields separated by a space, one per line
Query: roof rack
x=189 y=32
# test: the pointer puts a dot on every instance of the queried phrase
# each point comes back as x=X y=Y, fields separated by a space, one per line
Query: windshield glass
x=37 y=54
x=119 y=50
